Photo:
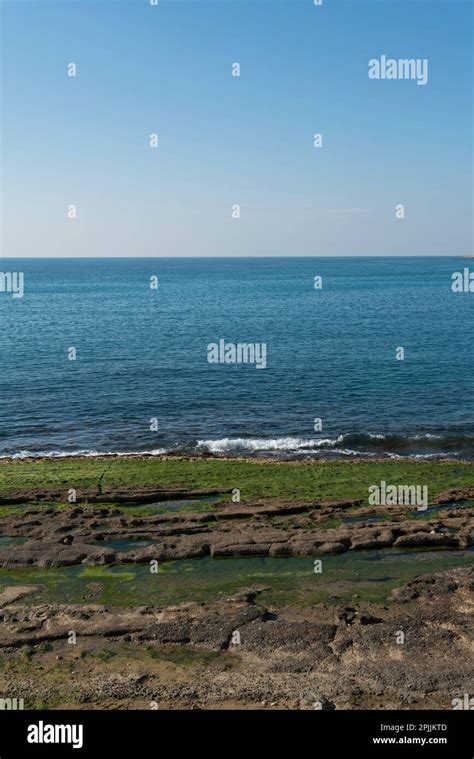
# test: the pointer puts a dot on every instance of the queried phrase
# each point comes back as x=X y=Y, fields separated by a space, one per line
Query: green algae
x=364 y=575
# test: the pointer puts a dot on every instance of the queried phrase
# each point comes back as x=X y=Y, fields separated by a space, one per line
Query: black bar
x=133 y=733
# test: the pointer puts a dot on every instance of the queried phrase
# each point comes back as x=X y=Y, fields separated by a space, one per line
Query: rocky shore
x=241 y=649
x=278 y=527
x=410 y=653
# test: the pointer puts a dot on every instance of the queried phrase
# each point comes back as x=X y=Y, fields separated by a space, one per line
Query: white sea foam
x=84 y=453
x=440 y=455
x=289 y=444
x=227 y=444
x=348 y=444
x=427 y=436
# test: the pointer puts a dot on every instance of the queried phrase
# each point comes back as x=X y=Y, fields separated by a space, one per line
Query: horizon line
x=219 y=258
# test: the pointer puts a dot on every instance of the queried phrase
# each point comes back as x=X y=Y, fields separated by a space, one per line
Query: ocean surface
x=142 y=355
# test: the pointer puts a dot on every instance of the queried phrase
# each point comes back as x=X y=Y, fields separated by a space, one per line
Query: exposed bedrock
x=80 y=536
x=346 y=656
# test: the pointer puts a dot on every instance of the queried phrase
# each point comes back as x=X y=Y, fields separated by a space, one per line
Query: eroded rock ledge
x=278 y=528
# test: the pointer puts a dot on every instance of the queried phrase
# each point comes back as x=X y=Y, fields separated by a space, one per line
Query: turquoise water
x=142 y=353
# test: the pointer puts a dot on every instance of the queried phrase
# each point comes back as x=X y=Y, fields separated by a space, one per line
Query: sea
x=364 y=357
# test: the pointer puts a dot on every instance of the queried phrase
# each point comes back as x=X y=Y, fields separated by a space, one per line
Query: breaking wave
x=428 y=445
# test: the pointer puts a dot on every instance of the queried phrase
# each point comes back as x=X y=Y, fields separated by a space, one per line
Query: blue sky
x=225 y=140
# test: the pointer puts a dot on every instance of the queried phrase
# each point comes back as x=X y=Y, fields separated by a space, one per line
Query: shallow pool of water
x=7 y=541
x=124 y=545
x=418 y=514
x=369 y=575
x=201 y=503
x=440 y=507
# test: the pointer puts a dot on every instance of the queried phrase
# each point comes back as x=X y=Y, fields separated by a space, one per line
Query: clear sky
x=227 y=140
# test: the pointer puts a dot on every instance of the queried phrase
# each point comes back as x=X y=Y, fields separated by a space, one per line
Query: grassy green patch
x=255 y=479
x=330 y=524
